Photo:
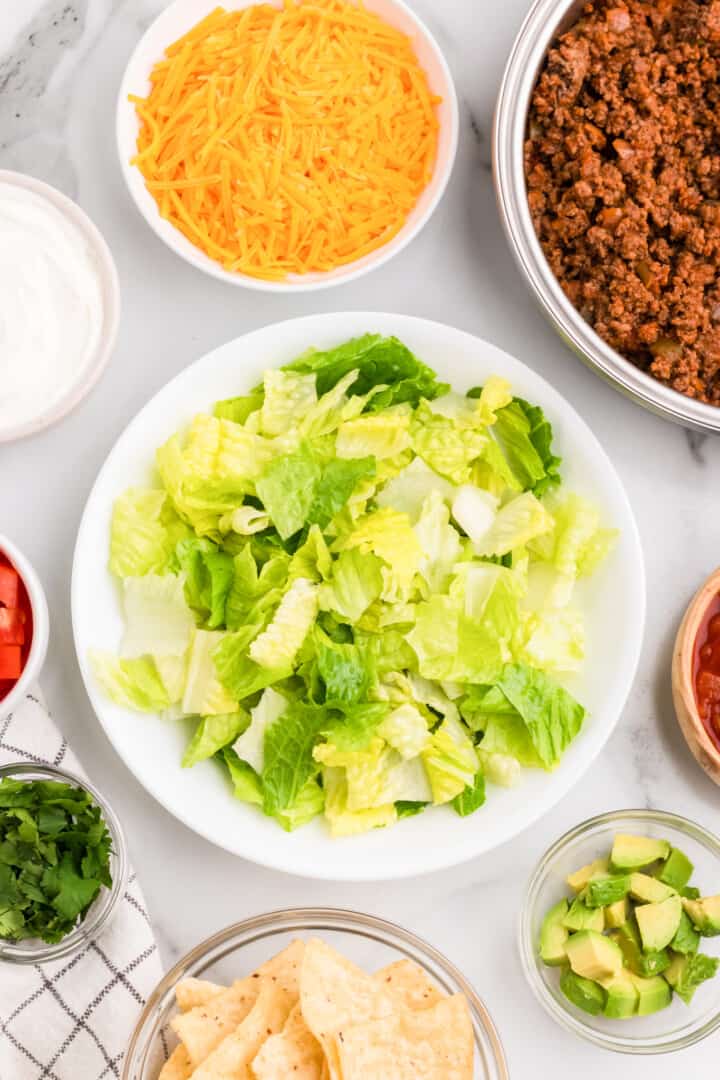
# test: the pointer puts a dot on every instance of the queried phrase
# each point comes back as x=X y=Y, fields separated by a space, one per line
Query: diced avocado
x=687 y=972
x=587 y=995
x=580 y=917
x=592 y=955
x=677 y=871
x=658 y=923
x=632 y=852
x=617 y=914
x=602 y=891
x=648 y=889
x=637 y=961
x=580 y=878
x=705 y=914
x=622 y=996
x=654 y=994
x=553 y=935
x=690 y=892
x=687 y=939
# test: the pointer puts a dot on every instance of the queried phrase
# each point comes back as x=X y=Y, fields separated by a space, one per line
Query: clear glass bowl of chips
x=241 y=949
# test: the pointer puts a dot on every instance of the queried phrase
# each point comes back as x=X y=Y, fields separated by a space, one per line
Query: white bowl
x=41 y=627
x=110 y=286
x=176 y=20
x=152 y=747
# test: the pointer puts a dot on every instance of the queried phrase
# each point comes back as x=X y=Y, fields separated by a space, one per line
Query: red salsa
x=707 y=670
x=16 y=626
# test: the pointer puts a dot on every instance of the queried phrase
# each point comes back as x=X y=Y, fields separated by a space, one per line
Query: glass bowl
x=673 y=1028
x=240 y=949
x=34 y=951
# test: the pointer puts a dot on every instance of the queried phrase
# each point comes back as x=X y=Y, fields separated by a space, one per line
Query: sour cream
x=51 y=305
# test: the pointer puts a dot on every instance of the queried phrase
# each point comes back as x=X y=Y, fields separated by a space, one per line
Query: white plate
x=179 y=17
x=152 y=747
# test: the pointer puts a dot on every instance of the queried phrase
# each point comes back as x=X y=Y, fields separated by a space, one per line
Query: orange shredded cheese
x=288 y=140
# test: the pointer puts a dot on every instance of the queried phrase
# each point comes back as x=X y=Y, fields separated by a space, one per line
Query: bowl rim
x=110 y=286
x=41 y=625
x=700 y=742
x=105 y=904
x=538 y=30
x=187 y=251
x=302 y=919
x=527 y=945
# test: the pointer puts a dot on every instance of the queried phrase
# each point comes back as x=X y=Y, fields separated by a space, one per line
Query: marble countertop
x=60 y=67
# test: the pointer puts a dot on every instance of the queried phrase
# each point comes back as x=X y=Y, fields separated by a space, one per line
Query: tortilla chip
x=178 y=1066
x=334 y=993
x=192 y=992
x=409 y=984
x=435 y=1044
x=294 y=1052
x=230 y=1060
x=202 y=1028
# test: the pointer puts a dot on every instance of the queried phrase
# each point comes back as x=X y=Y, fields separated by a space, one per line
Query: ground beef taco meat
x=623 y=169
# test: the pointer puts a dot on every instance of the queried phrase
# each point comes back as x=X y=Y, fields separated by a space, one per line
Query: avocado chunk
x=632 y=852
x=580 y=878
x=587 y=995
x=622 y=996
x=637 y=961
x=677 y=871
x=593 y=956
x=653 y=994
x=705 y=914
x=580 y=917
x=658 y=923
x=553 y=935
x=617 y=914
x=687 y=972
x=602 y=891
x=649 y=889
x=687 y=939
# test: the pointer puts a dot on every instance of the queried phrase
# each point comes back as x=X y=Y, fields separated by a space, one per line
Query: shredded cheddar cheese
x=288 y=140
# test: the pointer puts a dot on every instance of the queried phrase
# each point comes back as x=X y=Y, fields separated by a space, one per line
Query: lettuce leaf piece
x=378 y=360
x=237 y=672
x=389 y=535
x=278 y=645
x=576 y=546
x=553 y=640
x=439 y=541
x=507 y=734
x=472 y=798
x=208 y=577
x=143 y=533
x=408 y=490
x=309 y=802
x=409 y=809
x=379 y=435
x=447 y=448
x=517 y=522
x=355 y=726
x=173 y=674
x=213 y=733
x=250 y=742
x=288 y=754
x=346 y=670
x=406 y=730
x=344 y=822
x=204 y=694
x=158 y=622
x=134 y=683
x=483 y=702
x=525 y=435
x=337 y=483
x=253 y=595
x=551 y=714
x=451 y=761
x=495 y=395
x=376 y=775
x=312 y=560
x=238 y=409
x=287 y=397
x=451 y=646
x=245 y=520
x=356 y=582
x=287 y=489
x=247 y=785
x=501 y=769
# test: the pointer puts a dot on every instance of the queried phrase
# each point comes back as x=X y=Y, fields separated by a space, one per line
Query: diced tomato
x=12 y=626
x=10 y=662
x=9 y=586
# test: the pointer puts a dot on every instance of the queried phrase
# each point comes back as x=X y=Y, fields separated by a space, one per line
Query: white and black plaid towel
x=72 y=1019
